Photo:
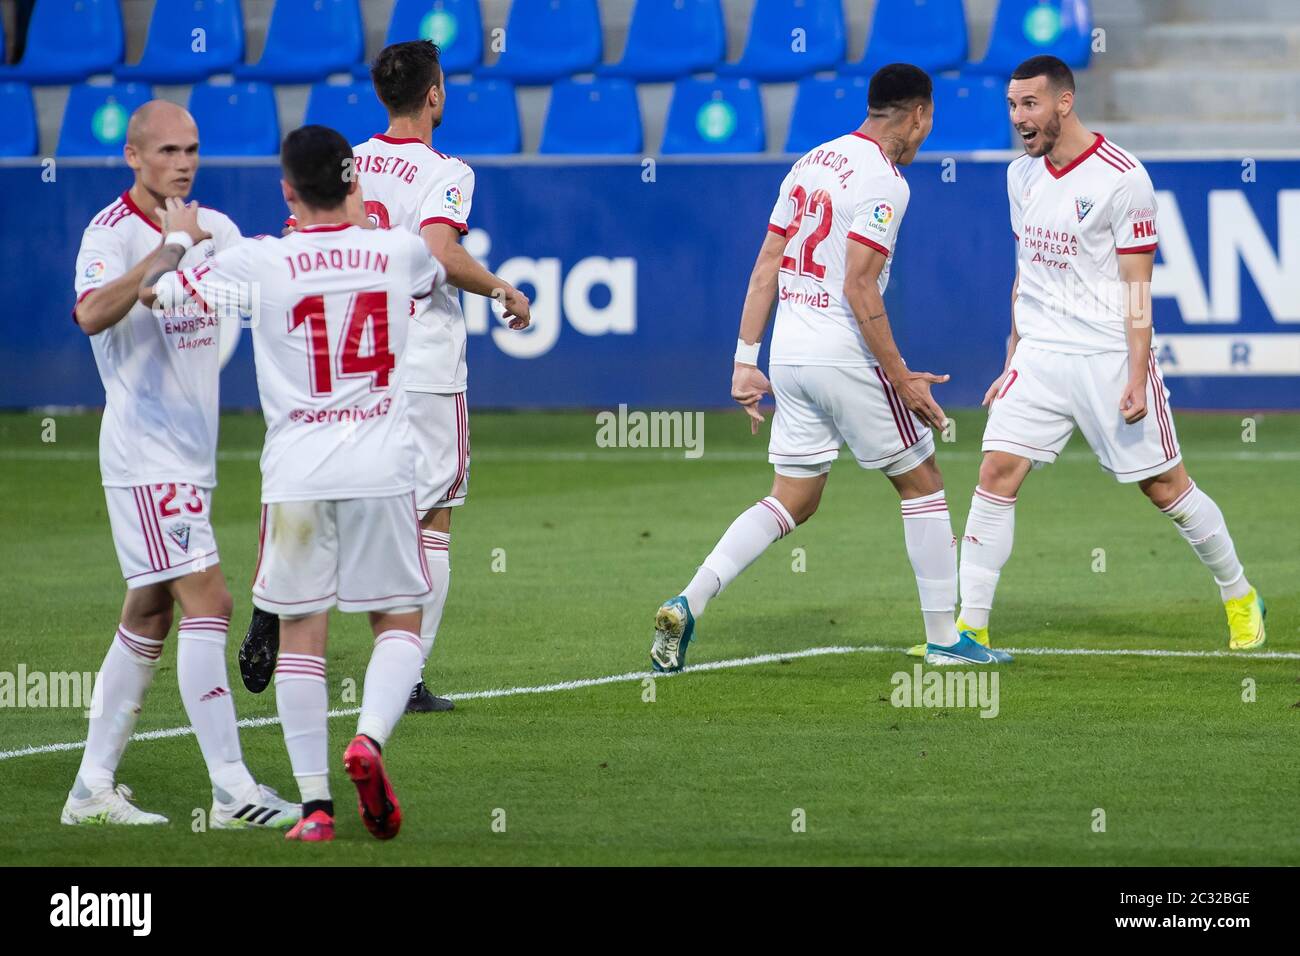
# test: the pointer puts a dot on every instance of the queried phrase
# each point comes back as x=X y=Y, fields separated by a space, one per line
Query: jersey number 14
x=365 y=310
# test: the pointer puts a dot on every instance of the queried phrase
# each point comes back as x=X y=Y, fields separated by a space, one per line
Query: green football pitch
x=1183 y=754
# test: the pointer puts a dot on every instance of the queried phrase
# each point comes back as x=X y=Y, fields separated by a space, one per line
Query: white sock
x=927 y=529
x=205 y=692
x=985 y=548
x=437 y=556
x=394 y=669
x=124 y=677
x=747 y=538
x=302 y=700
x=1201 y=524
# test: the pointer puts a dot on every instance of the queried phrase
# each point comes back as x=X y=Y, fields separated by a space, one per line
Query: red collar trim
x=130 y=204
x=398 y=141
x=1058 y=173
x=327 y=227
x=861 y=135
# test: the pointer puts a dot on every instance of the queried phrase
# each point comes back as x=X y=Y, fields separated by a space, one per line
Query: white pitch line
x=691 y=669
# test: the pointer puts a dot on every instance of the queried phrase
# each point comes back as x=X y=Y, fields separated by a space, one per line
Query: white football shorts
x=361 y=554
x=441 y=427
x=820 y=407
x=1046 y=394
x=161 y=531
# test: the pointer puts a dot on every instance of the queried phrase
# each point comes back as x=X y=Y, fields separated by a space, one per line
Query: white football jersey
x=843 y=191
x=160 y=375
x=408 y=185
x=1072 y=224
x=330 y=326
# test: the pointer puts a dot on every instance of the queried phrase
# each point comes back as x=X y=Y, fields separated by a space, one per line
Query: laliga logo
x=551 y=291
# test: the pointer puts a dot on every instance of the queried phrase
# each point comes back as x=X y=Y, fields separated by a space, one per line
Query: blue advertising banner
x=637 y=274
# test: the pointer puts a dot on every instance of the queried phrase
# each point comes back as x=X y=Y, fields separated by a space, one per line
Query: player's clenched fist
x=1133 y=403
x=748 y=386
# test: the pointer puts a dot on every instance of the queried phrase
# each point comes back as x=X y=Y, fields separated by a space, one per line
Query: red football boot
x=317 y=827
x=377 y=803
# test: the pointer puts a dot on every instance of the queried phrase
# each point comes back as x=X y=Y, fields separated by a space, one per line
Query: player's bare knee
x=1002 y=474
x=1164 y=490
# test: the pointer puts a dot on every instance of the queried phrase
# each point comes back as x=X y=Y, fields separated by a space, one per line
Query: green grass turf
x=712 y=771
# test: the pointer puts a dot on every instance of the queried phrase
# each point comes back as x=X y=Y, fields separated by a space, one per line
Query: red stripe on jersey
x=193 y=293
x=144 y=529
x=895 y=408
x=869 y=242
x=157 y=529
x=132 y=207
x=773 y=227
x=1007 y=387
x=1111 y=162
x=1106 y=149
x=1135 y=249
x=1058 y=173
x=460 y=227
x=1162 y=409
x=327 y=227
x=419 y=543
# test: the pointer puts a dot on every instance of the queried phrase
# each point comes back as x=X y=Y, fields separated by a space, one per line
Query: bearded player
x=157 y=456
x=836 y=373
x=1084 y=215
x=409 y=185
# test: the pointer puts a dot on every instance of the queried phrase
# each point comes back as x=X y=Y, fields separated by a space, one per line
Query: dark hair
x=898 y=85
x=317 y=162
x=404 y=73
x=1059 y=76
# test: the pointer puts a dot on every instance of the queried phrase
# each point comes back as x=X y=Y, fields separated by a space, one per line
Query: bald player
x=157 y=456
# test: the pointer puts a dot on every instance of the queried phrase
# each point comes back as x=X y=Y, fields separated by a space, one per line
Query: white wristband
x=747 y=354
x=179 y=238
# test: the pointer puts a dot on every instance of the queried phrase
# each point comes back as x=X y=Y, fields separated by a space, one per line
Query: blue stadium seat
x=714 y=116
x=170 y=54
x=548 y=39
x=236 y=119
x=930 y=34
x=770 y=52
x=480 y=118
x=352 y=109
x=18 y=135
x=592 y=117
x=94 y=121
x=455 y=25
x=669 y=39
x=307 y=40
x=824 y=109
x=970 y=112
x=1025 y=28
x=69 y=40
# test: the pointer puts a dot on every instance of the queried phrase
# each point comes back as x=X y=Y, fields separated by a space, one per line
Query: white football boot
x=111 y=805
x=259 y=807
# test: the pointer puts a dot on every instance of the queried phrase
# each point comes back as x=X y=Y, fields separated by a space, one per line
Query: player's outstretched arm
x=1012 y=341
x=180 y=221
x=748 y=384
x=1135 y=275
x=862 y=292
x=465 y=272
